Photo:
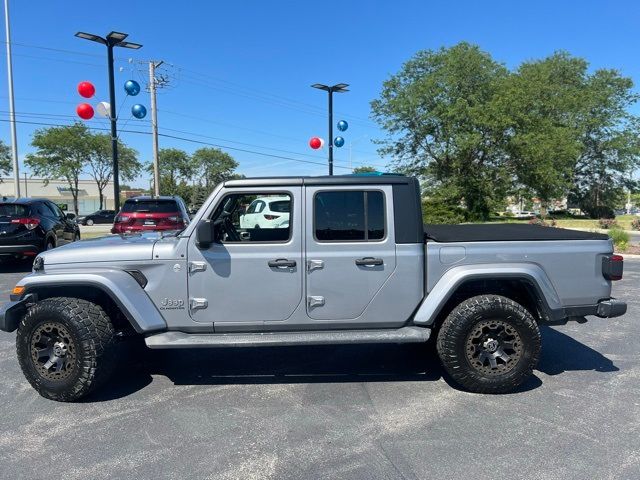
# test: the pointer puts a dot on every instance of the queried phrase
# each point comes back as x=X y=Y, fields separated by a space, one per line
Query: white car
x=267 y=212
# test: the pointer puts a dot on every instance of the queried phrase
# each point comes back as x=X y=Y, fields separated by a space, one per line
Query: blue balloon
x=342 y=125
x=338 y=141
x=132 y=87
x=139 y=111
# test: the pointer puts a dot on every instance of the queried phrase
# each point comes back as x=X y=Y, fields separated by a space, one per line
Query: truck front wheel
x=489 y=344
x=65 y=347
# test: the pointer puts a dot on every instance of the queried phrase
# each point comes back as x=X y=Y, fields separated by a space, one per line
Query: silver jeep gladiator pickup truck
x=308 y=261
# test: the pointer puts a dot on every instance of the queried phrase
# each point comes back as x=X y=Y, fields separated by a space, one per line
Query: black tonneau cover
x=504 y=232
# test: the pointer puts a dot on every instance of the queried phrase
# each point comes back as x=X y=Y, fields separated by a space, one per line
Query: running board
x=336 y=337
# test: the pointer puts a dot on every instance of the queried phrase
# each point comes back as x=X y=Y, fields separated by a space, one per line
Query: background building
x=58 y=192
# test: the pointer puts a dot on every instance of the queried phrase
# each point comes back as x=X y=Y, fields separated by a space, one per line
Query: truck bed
x=504 y=232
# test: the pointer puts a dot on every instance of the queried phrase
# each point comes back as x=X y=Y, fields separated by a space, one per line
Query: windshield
x=151 y=206
x=14 y=210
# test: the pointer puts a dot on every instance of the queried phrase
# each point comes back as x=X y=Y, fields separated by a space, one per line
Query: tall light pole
x=12 y=112
x=337 y=88
x=114 y=39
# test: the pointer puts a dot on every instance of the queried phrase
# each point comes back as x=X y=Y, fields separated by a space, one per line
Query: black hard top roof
x=374 y=179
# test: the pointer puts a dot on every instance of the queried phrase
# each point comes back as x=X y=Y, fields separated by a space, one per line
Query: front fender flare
x=453 y=278
x=121 y=287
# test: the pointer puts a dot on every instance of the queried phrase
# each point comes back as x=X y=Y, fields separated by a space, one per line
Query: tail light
x=122 y=218
x=271 y=217
x=612 y=267
x=30 y=223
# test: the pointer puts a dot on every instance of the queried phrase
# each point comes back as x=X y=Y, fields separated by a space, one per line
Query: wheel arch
x=117 y=292
x=527 y=285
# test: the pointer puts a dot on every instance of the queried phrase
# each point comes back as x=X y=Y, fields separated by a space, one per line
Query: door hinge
x=314 y=265
x=315 y=301
x=197 y=267
x=198 y=303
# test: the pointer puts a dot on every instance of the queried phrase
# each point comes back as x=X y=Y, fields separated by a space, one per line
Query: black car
x=31 y=225
x=101 y=216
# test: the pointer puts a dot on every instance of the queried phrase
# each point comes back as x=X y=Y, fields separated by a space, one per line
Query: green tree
x=212 y=166
x=542 y=105
x=61 y=153
x=610 y=141
x=99 y=163
x=440 y=115
x=175 y=166
x=5 y=159
x=364 y=169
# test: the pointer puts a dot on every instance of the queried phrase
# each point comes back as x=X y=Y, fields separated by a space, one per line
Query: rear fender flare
x=120 y=286
x=533 y=274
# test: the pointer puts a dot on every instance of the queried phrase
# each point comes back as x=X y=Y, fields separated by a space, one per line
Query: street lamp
x=337 y=88
x=114 y=39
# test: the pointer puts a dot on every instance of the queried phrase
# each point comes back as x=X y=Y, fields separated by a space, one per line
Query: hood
x=114 y=248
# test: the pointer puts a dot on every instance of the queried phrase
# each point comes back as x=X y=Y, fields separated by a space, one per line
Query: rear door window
x=349 y=216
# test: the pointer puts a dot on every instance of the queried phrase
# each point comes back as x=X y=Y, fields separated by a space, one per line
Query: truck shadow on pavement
x=324 y=364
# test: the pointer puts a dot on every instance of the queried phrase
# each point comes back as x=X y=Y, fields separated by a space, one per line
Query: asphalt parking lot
x=348 y=412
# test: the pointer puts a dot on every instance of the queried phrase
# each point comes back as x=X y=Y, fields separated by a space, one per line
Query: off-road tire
x=453 y=344
x=93 y=338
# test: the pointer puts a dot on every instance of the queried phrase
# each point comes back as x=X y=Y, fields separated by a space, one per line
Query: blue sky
x=241 y=70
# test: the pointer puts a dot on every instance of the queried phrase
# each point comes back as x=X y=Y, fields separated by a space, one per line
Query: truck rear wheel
x=489 y=344
x=65 y=347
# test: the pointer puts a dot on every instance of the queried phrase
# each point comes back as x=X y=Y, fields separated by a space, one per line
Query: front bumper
x=12 y=312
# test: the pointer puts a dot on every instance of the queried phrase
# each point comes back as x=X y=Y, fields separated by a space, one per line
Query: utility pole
x=26 y=189
x=338 y=88
x=154 y=124
x=12 y=111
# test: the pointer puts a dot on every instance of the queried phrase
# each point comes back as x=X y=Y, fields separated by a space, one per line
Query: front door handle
x=369 y=261
x=282 y=263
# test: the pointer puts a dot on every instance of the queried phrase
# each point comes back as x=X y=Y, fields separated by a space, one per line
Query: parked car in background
x=101 y=216
x=31 y=225
x=524 y=214
x=267 y=212
x=151 y=213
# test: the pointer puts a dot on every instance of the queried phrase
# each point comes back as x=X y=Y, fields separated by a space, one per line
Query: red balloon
x=315 y=143
x=84 y=111
x=86 y=89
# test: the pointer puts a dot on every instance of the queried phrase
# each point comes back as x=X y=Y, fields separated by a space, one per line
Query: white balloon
x=103 y=109
x=321 y=142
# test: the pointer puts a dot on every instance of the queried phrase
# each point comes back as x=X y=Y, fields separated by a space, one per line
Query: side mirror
x=205 y=233
x=71 y=216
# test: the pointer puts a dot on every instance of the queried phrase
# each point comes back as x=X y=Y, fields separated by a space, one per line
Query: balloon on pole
x=316 y=143
x=132 y=87
x=139 y=111
x=338 y=142
x=103 y=109
x=86 y=89
x=84 y=111
x=342 y=126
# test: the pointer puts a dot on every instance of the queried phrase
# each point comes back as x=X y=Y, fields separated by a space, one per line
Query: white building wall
x=58 y=192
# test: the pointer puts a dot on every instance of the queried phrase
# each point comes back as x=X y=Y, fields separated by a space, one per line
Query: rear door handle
x=369 y=261
x=282 y=263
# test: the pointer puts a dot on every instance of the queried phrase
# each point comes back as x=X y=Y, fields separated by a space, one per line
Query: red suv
x=151 y=213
